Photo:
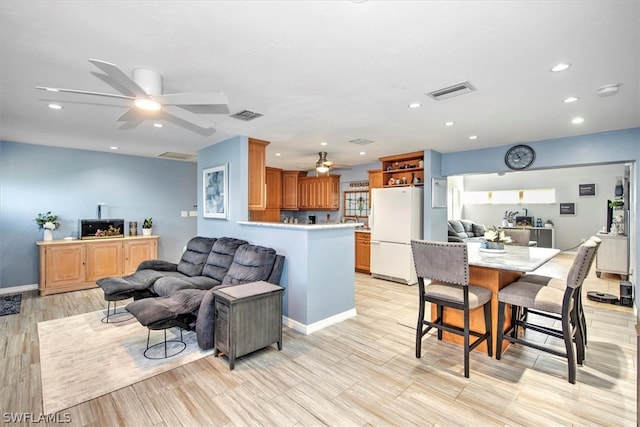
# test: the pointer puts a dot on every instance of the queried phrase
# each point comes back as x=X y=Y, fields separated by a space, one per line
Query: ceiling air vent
x=361 y=141
x=246 y=115
x=451 y=91
x=177 y=156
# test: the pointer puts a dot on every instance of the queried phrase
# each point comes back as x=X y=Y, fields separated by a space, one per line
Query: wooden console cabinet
x=71 y=265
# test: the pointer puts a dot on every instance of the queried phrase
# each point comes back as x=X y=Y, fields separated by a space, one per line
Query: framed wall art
x=567 y=208
x=586 y=190
x=215 y=192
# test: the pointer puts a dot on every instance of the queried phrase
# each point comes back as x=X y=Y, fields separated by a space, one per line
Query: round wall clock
x=519 y=157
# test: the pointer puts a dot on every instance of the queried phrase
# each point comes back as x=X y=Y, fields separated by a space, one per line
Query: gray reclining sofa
x=168 y=294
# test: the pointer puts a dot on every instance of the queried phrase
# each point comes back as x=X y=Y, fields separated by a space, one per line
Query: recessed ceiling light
x=51 y=89
x=560 y=67
x=55 y=106
x=414 y=105
x=473 y=137
x=608 y=90
x=449 y=123
x=113 y=147
x=362 y=153
x=278 y=154
x=158 y=125
x=577 y=120
x=570 y=99
x=323 y=143
x=147 y=104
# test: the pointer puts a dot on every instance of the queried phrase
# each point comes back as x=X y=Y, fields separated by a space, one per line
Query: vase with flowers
x=47 y=222
x=495 y=238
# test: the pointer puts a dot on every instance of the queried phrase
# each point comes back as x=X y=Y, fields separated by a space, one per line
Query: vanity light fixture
x=577 y=120
x=570 y=99
x=560 y=67
x=55 y=106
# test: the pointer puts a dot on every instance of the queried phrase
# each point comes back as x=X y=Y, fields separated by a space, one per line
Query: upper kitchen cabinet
x=290 y=189
x=274 y=188
x=375 y=181
x=319 y=192
x=257 y=174
x=403 y=169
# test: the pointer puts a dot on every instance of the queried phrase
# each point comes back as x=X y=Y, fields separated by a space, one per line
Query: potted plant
x=147 y=225
x=47 y=222
x=616 y=204
x=548 y=224
x=495 y=238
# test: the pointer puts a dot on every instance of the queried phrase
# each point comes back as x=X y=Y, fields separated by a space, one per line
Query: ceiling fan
x=144 y=88
x=323 y=165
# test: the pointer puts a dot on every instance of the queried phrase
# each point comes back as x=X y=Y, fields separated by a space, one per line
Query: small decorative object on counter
x=133 y=228
x=548 y=224
x=619 y=189
x=539 y=222
x=391 y=181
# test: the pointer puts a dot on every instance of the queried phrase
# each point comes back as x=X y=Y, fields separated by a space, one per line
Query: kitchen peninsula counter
x=319 y=270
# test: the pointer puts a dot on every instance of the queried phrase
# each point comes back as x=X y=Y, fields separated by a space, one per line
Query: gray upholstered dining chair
x=443 y=279
x=561 y=284
x=520 y=237
x=554 y=301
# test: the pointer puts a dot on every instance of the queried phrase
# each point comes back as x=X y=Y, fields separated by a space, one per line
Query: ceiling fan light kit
x=144 y=89
x=323 y=165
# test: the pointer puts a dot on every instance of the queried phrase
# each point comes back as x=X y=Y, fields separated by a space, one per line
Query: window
x=356 y=203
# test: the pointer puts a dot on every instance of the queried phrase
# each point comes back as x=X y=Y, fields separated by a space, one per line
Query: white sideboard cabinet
x=613 y=256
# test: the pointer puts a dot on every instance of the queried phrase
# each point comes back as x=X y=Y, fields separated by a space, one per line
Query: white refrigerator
x=396 y=219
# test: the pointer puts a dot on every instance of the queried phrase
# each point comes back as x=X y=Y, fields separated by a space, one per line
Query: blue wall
x=70 y=183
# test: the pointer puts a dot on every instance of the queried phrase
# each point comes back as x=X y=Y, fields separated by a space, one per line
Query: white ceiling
x=323 y=71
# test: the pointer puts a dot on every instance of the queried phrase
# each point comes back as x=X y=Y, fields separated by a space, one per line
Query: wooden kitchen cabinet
x=375 y=181
x=403 y=169
x=274 y=198
x=613 y=256
x=319 y=193
x=290 y=189
x=71 y=265
x=363 y=251
x=257 y=174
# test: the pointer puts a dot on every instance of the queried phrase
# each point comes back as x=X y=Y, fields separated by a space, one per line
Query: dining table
x=493 y=270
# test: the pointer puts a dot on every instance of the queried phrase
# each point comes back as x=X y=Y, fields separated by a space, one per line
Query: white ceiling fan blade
x=188 y=116
x=83 y=92
x=209 y=98
x=120 y=77
x=130 y=115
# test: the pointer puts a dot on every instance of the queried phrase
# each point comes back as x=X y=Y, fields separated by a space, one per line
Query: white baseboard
x=314 y=327
x=18 y=289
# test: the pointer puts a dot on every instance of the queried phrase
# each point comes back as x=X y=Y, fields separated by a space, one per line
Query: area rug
x=10 y=304
x=82 y=358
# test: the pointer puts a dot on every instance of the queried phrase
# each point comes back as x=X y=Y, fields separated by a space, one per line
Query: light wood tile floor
x=360 y=372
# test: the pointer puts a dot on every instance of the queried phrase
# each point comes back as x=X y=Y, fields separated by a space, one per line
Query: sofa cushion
x=194 y=258
x=479 y=230
x=450 y=230
x=468 y=227
x=138 y=281
x=221 y=257
x=169 y=285
x=458 y=228
x=250 y=264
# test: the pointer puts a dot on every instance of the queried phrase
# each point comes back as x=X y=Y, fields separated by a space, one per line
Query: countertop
x=313 y=227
